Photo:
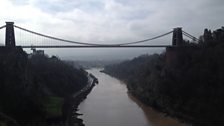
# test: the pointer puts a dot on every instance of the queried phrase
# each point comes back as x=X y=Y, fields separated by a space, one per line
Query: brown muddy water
x=109 y=104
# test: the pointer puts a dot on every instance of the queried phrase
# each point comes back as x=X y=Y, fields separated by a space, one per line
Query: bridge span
x=103 y=46
x=40 y=40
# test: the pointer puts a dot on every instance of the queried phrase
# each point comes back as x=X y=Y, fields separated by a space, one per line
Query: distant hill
x=93 y=63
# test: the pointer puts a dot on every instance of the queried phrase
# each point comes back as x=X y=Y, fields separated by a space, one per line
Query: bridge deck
x=101 y=46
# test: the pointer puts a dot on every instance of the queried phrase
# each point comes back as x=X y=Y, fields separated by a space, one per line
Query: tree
x=207 y=35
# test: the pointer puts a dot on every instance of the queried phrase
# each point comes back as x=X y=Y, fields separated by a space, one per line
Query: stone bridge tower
x=173 y=53
x=9 y=35
x=177 y=37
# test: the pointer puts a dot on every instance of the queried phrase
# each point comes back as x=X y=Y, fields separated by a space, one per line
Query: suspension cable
x=92 y=44
x=185 y=33
x=141 y=41
x=190 y=36
x=3 y=27
x=50 y=37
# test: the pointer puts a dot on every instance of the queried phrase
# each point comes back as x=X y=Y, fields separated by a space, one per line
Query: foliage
x=189 y=89
x=26 y=82
x=56 y=76
x=52 y=106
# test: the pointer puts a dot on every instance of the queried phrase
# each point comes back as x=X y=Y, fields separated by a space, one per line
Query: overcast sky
x=112 y=21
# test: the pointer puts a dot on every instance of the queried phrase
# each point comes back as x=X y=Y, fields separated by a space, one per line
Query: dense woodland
x=191 y=88
x=25 y=83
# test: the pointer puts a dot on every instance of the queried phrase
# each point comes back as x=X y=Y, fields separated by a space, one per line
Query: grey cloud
x=52 y=7
x=19 y=2
x=68 y=5
x=126 y=20
x=136 y=17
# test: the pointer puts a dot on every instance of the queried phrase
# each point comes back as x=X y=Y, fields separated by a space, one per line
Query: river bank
x=71 y=104
x=110 y=104
x=155 y=116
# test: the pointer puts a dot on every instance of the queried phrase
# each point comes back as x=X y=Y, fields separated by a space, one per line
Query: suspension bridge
x=40 y=40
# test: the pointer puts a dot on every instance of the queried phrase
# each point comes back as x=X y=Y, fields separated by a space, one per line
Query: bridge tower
x=9 y=35
x=173 y=53
x=177 y=37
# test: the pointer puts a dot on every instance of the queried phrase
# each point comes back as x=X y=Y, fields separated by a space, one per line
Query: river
x=109 y=104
